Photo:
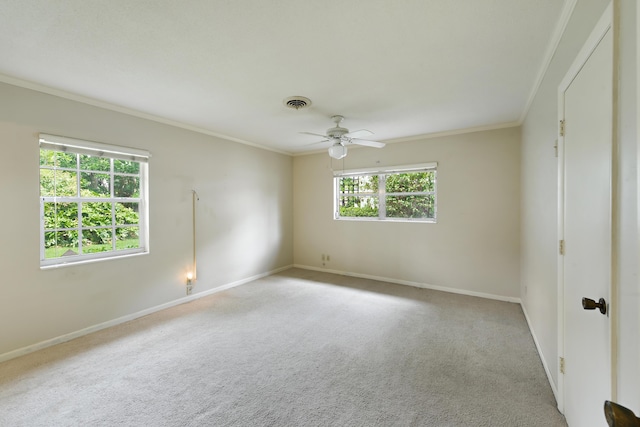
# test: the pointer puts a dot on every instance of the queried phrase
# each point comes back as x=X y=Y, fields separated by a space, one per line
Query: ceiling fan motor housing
x=336 y=132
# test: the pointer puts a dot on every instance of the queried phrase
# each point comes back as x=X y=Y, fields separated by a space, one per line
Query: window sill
x=90 y=261
x=404 y=220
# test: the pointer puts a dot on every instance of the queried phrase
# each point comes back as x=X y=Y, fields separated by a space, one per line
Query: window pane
x=60 y=243
x=58 y=183
x=93 y=163
x=127 y=213
x=47 y=157
x=97 y=240
x=126 y=166
x=351 y=206
x=95 y=185
x=66 y=183
x=410 y=206
x=126 y=186
x=47 y=182
x=96 y=214
x=66 y=160
x=127 y=238
x=410 y=182
x=60 y=215
x=359 y=184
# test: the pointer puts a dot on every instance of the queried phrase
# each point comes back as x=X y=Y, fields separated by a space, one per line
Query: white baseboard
x=554 y=389
x=76 y=334
x=72 y=335
x=414 y=284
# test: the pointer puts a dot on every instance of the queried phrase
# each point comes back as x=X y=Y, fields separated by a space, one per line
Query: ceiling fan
x=341 y=137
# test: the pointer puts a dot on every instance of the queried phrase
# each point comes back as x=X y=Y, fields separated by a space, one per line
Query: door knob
x=589 y=304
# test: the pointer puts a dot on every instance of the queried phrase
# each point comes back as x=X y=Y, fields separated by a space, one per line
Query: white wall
x=539 y=243
x=539 y=199
x=244 y=219
x=474 y=246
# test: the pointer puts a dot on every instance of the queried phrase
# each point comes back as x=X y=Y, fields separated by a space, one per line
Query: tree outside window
x=92 y=204
x=387 y=195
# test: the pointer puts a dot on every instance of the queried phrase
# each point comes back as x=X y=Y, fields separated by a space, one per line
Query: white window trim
x=382 y=192
x=387 y=170
x=64 y=144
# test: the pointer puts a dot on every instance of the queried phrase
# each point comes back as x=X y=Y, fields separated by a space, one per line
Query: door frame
x=638 y=151
x=605 y=24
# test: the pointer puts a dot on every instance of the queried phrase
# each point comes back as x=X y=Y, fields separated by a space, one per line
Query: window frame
x=113 y=153
x=381 y=194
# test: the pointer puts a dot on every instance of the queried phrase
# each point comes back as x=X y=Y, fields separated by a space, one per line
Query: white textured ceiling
x=399 y=68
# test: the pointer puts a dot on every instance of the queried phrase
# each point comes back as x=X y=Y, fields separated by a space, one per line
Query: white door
x=587 y=261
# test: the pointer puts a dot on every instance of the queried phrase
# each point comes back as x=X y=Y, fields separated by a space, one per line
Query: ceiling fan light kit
x=341 y=137
x=337 y=151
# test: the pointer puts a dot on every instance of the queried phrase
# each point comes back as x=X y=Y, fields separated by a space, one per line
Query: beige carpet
x=299 y=348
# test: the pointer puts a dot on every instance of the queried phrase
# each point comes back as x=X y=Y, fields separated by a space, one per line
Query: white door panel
x=587 y=148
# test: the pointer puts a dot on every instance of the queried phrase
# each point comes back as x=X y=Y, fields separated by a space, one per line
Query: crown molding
x=124 y=110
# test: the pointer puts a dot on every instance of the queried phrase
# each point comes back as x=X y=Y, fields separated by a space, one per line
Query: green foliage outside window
x=404 y=195
x=363 y=205
x=61 y=218
x=410 y=206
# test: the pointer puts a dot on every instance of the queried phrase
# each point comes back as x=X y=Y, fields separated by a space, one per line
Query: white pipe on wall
x=195 y=198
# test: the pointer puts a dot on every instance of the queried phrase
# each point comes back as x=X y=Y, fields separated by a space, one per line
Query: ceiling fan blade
x=318 y=142
x=314 y=134
x=368 y=143
x=358 y=133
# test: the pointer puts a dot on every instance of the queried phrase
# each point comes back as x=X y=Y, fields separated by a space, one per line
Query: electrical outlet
x=328 y=258
x=189 y=282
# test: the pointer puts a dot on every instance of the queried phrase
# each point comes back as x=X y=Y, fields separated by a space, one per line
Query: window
x=93 y=201
x=405 y=193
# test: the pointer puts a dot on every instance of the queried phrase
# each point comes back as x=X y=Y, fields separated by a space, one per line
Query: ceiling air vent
x=297 y=102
